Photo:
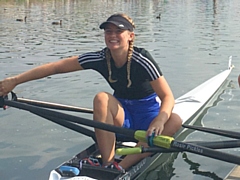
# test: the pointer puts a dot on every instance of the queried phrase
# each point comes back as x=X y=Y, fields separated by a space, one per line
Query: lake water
x=191 y=42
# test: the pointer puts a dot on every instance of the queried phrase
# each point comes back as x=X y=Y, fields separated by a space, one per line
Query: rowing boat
x=189 y=106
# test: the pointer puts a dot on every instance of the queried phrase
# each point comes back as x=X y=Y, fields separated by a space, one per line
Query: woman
x=142 y=98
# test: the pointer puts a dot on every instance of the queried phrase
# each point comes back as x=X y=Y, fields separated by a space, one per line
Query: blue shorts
x=140 y=113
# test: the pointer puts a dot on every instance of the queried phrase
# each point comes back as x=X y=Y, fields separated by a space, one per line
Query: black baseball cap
x=119 y=21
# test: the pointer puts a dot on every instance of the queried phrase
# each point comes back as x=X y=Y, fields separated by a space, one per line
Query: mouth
x=114 y=41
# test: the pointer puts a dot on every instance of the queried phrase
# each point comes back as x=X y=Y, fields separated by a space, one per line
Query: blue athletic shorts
x=140 y=113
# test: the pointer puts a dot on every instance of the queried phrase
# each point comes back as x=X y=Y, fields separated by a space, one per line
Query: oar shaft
x=219 y=144
x=74 y=127
x=169 y=142
x=210 y=144
x=225 y=133
x=55 y=105
x=46 y=113
x=204 y=151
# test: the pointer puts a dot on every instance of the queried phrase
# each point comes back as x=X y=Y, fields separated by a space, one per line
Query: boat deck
x=234 y=174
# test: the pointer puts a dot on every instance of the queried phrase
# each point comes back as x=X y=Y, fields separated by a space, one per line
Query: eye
x=110 y=31
x=119 y=31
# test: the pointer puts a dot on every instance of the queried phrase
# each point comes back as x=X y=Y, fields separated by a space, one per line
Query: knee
x=177 y=121
x=173 y=124
x=100 y=99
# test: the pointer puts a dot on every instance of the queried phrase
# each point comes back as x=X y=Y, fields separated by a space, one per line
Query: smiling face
x=116 y=38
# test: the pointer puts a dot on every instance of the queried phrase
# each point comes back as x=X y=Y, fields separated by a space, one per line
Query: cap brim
x=104 y=24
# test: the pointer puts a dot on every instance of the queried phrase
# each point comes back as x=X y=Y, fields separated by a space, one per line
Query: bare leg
x=171 y=127
x=107 y=109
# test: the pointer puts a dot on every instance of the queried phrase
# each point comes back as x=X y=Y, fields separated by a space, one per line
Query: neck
x=119 y=57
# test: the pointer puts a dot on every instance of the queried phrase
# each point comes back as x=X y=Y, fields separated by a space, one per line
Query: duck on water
x=57 y=23
x=22 y=19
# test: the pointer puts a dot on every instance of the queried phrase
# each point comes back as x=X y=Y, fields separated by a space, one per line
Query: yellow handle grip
x=126 y=151
x=161 y=141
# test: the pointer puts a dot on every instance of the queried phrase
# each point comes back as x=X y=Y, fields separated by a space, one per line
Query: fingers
x=154 y=130
x=1 y=89
x=6 y=86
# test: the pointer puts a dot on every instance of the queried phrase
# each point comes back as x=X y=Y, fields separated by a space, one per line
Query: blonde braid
x=108 y=57
x=130 y=52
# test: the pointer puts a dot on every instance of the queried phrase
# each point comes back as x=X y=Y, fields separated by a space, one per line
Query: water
x=191 y=42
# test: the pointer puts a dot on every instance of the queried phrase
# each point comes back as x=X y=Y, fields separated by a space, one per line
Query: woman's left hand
x=156 y=127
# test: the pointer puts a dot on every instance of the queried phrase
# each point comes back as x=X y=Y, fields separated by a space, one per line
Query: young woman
x=142 y=98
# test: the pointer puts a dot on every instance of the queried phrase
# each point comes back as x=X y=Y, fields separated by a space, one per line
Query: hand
x=7 y=85
x=156 y=127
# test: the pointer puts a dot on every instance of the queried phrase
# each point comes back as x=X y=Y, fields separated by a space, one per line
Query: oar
x=74 y=127
x=61 y=121
x=162 y=141
x=55 y=105
x=210 y=144
x=225 y=133
x=61 y=117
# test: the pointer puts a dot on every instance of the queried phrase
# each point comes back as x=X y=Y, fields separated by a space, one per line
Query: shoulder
x=142 y=57
x=142 y=54
x=141 y=51
x=91 y=56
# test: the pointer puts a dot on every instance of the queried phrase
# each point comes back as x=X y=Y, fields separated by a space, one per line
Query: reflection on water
x=191 y=42
x=194 y=167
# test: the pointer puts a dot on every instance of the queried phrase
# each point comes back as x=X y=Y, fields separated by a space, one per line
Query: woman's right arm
x=62 y=66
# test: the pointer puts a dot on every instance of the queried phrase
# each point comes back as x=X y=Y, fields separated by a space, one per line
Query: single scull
x=189 y=106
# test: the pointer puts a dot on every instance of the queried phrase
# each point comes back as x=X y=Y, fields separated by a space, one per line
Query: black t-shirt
x=143 y=70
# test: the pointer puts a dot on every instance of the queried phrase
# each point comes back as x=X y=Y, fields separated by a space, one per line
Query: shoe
x=115 y=166
x=90 y=161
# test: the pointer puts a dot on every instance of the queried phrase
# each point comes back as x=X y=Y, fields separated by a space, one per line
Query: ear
x=132 y=35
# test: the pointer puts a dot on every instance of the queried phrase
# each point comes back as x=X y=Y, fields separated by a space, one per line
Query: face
x=116 y=38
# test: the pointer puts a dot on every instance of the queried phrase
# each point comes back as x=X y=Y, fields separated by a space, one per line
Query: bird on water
x=22 y=19
x=57 y=23
x=159 y=16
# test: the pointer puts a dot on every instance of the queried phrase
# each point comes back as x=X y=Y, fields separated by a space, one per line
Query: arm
x=164 y=92
x=62 y=66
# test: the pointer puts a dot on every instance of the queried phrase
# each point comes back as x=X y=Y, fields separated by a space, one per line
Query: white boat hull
x=187 y=106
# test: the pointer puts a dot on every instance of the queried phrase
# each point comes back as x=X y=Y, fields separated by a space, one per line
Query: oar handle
x=127 y=151
x=162 y=141
x=2 y=102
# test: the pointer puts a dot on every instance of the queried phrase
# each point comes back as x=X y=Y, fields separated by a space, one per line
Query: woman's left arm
x=165 y=94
